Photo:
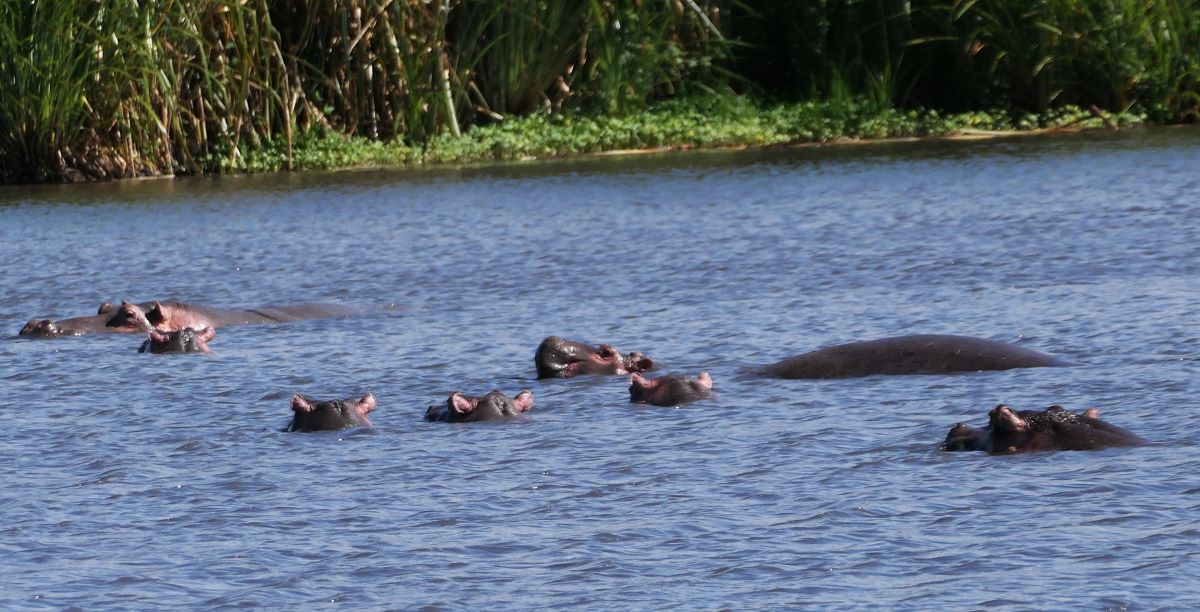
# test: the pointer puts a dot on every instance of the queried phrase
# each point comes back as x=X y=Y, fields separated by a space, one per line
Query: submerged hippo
x=669 y=390
x=77 y=326
x=176 y=316
x=560 y=358
x=460 y=408
x=1054 y=428
x=919 y=354
x=186 y=340
x=316 y=415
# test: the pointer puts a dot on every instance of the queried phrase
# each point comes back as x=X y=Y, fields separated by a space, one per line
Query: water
x=148 y=481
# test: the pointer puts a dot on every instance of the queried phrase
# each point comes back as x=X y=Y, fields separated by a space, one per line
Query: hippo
x=669 y=390
x=78 y=326
x=175 y=316
x=1054 y=428
x=316 y=415
x=186 y=340
x=560 y=358
x=918 y=354
x=494 y=406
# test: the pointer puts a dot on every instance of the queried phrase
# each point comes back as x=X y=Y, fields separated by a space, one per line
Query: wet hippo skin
x=494 y=406
x=321 y=415
x=561 y=358
x=176 y=316
x=918 y=354
x=669 y=390
x=78 y=326
x=186 y=340
x=1054 y=428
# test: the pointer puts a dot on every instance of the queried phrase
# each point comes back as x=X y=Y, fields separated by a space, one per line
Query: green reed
x=112 y=88
x=116 y=88
x=43 y=107
x=977 y=54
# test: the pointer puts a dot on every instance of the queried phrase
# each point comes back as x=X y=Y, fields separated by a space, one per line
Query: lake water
x=149 y=481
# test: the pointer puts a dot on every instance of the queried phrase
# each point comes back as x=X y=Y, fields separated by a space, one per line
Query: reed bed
x=119 y=88
x=961 y=55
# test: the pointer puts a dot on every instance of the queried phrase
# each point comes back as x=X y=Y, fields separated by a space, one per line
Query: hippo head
x=669 y=390
x=461 y=408
x=128 y=316
x=1054 y=428
x=316 y=415
x=560 y=358
x=187 y=340
x=637 y=362
x=1003 y=418
x=1011 y=431
x=43 y=328
x=963 y=437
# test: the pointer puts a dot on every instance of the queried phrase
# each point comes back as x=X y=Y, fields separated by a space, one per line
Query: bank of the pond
x=677 y=125
x=106 y=89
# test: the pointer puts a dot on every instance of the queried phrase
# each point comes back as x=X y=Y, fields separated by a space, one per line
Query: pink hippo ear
x=299 y=404
x=366 y=404
x=1091 y=413
x=524 y=401
x=461 y=403
x=155 y=315
x=157 y=336
x=639 y=363
x=705 y=380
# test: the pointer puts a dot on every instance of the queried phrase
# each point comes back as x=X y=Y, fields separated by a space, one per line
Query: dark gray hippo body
x=1054 y=428
x=316 y=415
x=918 y=354
x=560 y=358
x=176 y=316
x=669 y=390
x=494 y=406
x=186 y=340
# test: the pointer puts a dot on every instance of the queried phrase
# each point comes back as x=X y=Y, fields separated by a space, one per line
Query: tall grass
x=978 y=54
x=114 y=88
x=43 y=107
x=110 y=88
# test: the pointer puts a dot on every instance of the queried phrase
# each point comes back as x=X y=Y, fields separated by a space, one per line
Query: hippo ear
x=461 y=404
x=206 y=334
x=367 y=403
x=639 y=363
x=524 y=400
x=705 y=380
x=155 y=314
x=157 y=336
x=299 y=404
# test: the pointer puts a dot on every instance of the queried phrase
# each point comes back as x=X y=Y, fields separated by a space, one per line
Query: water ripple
x=142 y=481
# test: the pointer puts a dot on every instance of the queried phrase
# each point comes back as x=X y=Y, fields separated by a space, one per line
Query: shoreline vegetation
x=674 y=126
x=107 y=89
